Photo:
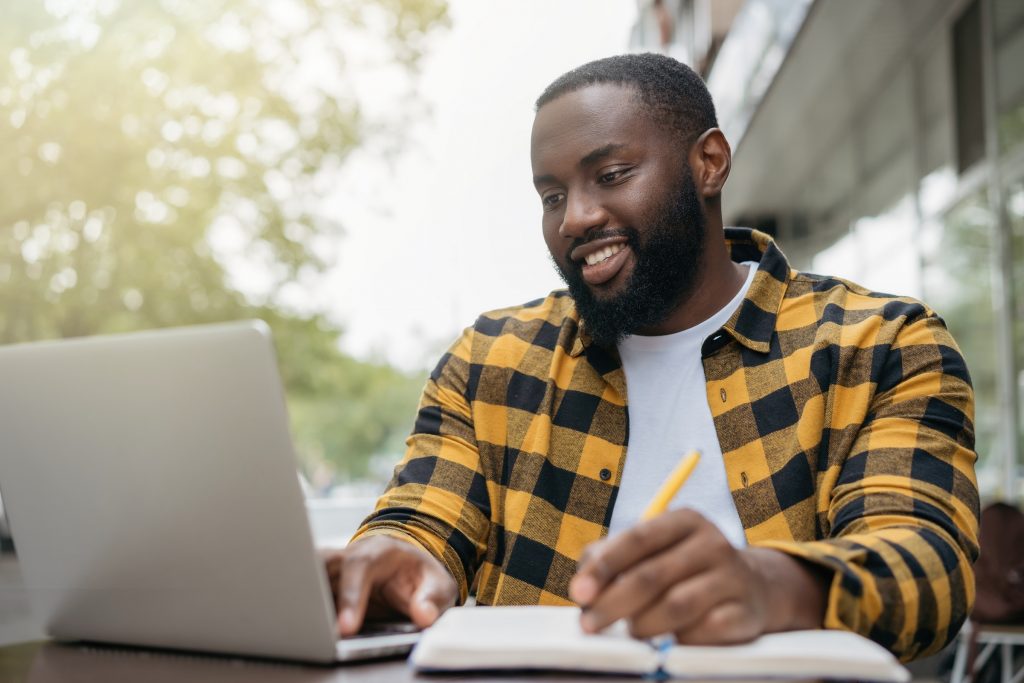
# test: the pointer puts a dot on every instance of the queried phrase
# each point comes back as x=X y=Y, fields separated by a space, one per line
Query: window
x=958 y=285
x=1015 y=212
x=1009 y=55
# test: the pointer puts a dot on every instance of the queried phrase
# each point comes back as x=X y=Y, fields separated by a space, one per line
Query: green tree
x=343 y=411
x=149 y=145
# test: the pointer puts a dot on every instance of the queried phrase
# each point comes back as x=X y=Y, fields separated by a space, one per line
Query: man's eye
x=611 y=176
x=551 y=201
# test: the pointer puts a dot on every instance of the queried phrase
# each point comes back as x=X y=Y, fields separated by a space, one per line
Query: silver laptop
x=151 y=489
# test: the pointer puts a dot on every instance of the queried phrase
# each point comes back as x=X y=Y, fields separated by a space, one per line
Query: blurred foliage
x=151 y=146
x=343 y=411
x=1011 y=128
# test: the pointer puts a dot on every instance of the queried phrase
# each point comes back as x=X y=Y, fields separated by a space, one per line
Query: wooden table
x=49 y=662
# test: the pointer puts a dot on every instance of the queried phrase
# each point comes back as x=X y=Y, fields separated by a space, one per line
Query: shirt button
x=606 y=474
x=721 y=392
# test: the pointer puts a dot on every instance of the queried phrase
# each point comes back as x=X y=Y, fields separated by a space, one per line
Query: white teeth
x=602 y=254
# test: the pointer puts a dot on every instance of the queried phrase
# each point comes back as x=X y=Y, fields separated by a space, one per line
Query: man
x=837 y=486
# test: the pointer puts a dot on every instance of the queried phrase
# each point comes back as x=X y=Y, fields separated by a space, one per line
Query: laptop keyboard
x=374 y=629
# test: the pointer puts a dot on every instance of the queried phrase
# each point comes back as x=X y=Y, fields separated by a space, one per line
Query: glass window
x=1008 y=16
x=958 y=285
x=1015 y=211
x=887 y=245
x=879 y=252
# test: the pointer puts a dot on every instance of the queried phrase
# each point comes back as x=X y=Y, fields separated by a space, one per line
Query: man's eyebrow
x=588 y=159
x=539 y=180
x=600 y=153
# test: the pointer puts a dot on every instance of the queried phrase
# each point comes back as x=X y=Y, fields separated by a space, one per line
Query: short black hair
x=675 y=93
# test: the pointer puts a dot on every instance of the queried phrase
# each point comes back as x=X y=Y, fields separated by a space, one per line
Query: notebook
x=550 y=638
x=152 y=494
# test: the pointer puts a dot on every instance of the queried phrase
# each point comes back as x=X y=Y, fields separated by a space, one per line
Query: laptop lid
x=151 y=488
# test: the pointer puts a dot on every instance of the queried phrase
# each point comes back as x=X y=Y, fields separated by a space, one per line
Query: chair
x=991 y=637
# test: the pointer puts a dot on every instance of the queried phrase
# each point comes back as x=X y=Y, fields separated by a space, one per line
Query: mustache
x=630 y=234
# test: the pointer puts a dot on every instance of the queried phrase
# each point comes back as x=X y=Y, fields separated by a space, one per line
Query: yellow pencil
x=672 y=485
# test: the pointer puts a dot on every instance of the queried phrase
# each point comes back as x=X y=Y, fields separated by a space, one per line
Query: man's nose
x=582 y=213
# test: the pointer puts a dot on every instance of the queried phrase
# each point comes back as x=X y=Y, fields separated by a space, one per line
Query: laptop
x=151 y=489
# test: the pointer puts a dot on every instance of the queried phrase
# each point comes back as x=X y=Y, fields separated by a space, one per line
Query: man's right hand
x=380 y=576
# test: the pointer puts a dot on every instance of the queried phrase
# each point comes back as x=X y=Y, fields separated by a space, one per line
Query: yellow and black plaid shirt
x=846 y=424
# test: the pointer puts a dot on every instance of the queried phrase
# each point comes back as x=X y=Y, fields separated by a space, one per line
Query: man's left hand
x=678 y=574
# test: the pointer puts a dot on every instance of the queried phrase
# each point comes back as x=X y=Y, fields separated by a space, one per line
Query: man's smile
x=606 y=253
x=601 y=266
x=601 y=259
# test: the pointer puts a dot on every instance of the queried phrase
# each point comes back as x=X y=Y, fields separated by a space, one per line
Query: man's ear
x=711 y=161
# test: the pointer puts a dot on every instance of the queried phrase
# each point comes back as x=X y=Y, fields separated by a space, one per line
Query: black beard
x=665 y=274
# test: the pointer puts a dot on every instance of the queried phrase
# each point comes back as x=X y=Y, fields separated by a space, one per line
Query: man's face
x=622 y=217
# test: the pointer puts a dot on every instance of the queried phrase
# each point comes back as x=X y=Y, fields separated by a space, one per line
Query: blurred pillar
x=1002 y=266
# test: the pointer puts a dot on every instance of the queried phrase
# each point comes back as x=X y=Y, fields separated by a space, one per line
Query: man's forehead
x=601 y=99
x=601 y=114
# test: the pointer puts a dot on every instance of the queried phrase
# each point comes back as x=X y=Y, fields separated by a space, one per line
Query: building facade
x=883 y=141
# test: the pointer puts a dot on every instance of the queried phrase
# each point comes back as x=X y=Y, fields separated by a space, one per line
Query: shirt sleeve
x=438 y=497
x=903 y=514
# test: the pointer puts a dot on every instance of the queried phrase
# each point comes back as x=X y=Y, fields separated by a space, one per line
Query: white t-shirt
x=668 y=417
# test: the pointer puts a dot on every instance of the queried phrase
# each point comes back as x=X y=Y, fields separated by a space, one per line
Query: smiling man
x=836 y=489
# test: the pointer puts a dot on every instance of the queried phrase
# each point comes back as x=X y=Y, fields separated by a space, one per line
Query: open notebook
x=545 y=638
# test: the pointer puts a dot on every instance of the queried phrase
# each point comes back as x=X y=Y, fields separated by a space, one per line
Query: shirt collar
x=753 y=323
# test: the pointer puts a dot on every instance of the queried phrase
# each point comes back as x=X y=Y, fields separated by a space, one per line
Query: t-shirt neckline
x=702 y=329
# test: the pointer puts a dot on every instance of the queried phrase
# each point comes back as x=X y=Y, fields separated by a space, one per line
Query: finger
x=436 y=593
x=680 y=607
x=354 y=586
x=608 y=558
x=418 y=586
x=584 y=585
x=332 y=563
x=726 y=623
x=640 y=587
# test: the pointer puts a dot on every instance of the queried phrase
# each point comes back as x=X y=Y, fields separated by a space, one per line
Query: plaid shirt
x=844 y=416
